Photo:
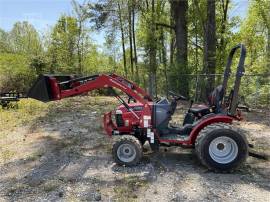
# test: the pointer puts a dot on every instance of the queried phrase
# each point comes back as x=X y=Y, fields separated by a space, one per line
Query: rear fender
x=205 y=122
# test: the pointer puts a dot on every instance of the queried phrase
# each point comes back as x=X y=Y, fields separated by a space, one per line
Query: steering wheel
x=177 y=96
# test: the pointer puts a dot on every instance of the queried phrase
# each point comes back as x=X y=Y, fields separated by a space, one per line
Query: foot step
x=174 y=137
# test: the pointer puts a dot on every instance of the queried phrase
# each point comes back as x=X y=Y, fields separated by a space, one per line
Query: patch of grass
x=72 y=198
x=35 y=156
x=17 y=187
x=50 y=185
x=27 y=111
x=6 y=155
x=128 y=188
x=3 y=135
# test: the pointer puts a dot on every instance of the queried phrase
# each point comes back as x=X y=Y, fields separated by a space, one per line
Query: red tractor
x=218 y=144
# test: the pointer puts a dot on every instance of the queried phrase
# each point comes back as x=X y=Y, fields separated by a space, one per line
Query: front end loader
x=218 y=144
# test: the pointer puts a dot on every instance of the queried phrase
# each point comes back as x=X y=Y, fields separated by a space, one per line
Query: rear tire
x=221 y=147
x=127 y=150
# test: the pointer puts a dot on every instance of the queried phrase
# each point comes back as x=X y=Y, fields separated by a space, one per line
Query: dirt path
x=62 y=154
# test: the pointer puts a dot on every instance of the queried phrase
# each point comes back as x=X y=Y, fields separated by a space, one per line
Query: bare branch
x=166 y=25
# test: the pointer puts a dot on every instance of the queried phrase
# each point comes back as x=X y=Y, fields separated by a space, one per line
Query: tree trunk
x=137 y=79
x=196 y=61
x=152 y=53
x=122 y=39
x=130 y=40
x=164 y=60
x=268 y=49
x=171 y=81
x=79 y=49
x=210 y=49
x=222 y=45
x=180 y=17
x=152 y=84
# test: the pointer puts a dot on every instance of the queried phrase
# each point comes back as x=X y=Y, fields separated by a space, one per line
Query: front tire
x=221 y=147
x=127 y=150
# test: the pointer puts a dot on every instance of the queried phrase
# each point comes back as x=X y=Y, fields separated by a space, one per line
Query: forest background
x=162 y=45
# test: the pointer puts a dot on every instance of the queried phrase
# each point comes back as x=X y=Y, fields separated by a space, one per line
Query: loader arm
x=52 y=87
x=49 y=87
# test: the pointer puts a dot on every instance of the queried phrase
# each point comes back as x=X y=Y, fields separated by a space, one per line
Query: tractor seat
x=200 y=109
x=215 y=100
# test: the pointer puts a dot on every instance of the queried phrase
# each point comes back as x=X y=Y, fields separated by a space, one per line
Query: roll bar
x=239 y=73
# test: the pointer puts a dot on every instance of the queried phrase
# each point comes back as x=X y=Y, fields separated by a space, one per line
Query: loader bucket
x=47 y=87
x=41 y=89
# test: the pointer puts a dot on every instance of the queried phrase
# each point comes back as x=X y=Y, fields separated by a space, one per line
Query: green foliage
x=18 y=47
x=38 y=63
x=96 y=62
x=15 y=73
x=22 y=57
x=61 y=51
x=68 y=48
x=24 y=39
x=254 y=34
x=4 y=45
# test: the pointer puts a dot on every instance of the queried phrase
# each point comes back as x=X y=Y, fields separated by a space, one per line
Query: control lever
x=177 y=96
x=191 y=103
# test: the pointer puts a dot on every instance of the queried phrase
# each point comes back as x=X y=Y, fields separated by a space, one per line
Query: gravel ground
x=64 y=155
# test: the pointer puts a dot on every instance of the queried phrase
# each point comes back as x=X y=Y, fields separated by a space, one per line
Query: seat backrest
x=216 y=97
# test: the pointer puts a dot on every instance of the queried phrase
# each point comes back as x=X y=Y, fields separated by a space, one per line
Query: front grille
x=119 y=120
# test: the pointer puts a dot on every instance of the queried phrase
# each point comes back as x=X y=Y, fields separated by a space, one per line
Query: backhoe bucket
x=47 y=88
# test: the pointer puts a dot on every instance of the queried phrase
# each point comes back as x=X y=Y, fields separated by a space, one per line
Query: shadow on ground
x=75 y=163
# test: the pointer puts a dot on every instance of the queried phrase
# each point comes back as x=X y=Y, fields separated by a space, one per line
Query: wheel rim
x=126 y=153
x=223 y=150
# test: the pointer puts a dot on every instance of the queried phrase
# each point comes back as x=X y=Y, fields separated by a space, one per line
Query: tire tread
x=127 y=138
x=207 y=130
